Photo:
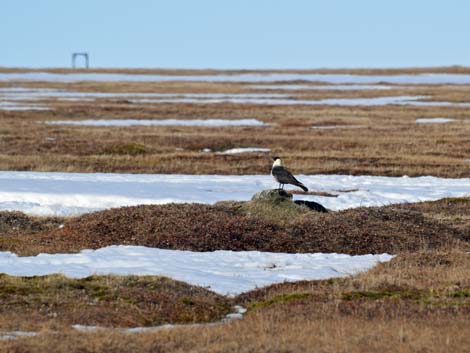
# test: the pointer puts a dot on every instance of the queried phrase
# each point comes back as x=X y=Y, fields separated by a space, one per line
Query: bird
x=283 y=176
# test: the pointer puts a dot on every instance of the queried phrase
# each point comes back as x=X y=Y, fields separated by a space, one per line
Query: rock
x=281 y=197
x=274 y=195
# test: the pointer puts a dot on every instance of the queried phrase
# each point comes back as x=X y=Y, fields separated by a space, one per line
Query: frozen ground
x=224 y=272
x=162 y=122
x=249 y=77
x=41 y=193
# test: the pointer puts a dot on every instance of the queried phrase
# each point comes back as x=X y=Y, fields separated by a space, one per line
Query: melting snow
x=41 y=193
x=20 y=93
x=21 y=106
x=375 y=101
x=224 y=272
x=245 y=150
x=426 y=78
x=434 y=120
x=163 y=122
x=324 y=87
x=238 y=314
x=11 y=335
x=36 y=94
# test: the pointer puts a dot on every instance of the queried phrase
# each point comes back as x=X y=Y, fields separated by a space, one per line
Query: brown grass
x=388 y=141
x=239 y=226
x=33 y=303
x=419 y=302
x=12 y=223
x=416 y=303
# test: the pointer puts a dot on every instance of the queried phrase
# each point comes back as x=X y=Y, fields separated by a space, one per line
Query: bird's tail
x=302 y=186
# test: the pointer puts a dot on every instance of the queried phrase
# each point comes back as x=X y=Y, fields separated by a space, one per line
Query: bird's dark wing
x=283 y=176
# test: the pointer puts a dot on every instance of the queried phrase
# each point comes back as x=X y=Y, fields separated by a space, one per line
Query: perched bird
x=283 y=176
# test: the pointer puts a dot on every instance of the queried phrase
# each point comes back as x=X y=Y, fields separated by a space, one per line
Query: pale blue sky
x=235 y=34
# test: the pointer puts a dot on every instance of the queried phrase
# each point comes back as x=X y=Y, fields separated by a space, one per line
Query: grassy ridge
x=54 y=301
x=249 y=226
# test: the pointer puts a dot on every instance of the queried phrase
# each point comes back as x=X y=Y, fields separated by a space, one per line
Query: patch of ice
x=224 y=272
x=245 y=150
x=434 y=120
x=64 y=194
x=163 y=122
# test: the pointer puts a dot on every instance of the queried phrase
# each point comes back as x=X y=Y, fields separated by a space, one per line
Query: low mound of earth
x=451 y=211
x=249 y=226
x=17 y=222
x=32 y=303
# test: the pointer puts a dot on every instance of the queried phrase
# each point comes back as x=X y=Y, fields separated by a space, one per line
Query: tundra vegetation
x=417 y=302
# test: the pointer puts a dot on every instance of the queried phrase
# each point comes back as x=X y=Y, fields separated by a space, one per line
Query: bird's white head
x=277 y=161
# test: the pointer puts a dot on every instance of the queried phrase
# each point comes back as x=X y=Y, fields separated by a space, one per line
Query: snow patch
x=163 y=122
x=66 y=194
x=224 y=272
x=324 y=87
x=245 y=150
x=375 y=101
x=21 y=106
x=238 y=313
x=12 y=335
x=434 y=120
x=425 y=78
